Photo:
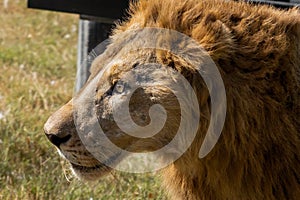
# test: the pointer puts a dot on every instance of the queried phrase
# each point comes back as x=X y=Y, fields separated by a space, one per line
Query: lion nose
x=60 y=126
x=54 y=133
x=57 y=141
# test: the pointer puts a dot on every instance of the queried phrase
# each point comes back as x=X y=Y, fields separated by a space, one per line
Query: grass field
x=38 y=65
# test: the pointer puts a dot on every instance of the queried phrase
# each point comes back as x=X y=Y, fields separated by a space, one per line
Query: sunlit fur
x=257 y=51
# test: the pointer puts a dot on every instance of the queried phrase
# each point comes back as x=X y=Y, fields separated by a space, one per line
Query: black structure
x=113 y=9
x=96 y=21
x=279 y=4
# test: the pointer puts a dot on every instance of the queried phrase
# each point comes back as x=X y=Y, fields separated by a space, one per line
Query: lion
x=257 y=51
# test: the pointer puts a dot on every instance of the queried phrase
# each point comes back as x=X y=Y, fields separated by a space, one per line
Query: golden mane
x=257 y=49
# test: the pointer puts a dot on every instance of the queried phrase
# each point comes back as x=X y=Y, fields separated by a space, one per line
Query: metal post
x=92 y=31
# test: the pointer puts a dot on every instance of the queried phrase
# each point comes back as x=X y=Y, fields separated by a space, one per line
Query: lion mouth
x=101 y=168
x=91 y=173
x=89 y=169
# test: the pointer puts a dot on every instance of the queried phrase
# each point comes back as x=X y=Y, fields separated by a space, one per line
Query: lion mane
x=257 y=51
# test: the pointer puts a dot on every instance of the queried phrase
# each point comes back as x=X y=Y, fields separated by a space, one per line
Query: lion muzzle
x=60 y=125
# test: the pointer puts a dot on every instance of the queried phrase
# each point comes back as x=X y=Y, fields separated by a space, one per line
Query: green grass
x=38 y=65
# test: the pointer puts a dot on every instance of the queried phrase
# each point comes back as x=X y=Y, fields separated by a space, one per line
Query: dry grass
x=38 y=64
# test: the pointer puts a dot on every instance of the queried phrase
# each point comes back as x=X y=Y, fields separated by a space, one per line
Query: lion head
x=143 y=83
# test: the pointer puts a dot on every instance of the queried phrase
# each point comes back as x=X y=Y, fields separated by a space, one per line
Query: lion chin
x=90 y=173
x=257 y=51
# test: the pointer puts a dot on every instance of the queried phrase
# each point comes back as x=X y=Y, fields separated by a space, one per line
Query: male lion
x=256 y=50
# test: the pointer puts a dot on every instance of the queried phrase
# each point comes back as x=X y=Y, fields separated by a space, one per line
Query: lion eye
x=119 y=88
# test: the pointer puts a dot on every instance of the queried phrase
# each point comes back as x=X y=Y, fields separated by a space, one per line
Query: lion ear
x=177 y=63
x=191 y=74
x=168 y=59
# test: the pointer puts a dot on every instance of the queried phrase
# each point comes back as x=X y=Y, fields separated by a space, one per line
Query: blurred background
x=38 y=52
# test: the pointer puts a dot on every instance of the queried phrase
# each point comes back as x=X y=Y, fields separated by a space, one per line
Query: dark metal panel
x=278 y=4
x=101 y=8
x=115 y=8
